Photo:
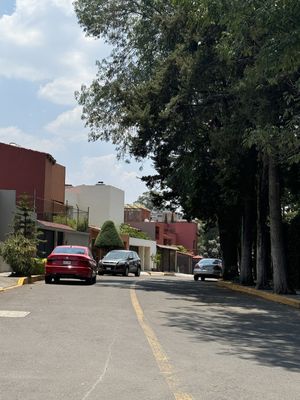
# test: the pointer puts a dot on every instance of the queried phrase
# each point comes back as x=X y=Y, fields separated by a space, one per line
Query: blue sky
x=44 y=58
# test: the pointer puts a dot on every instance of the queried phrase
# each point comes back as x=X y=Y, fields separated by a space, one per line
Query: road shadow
x=248 y=327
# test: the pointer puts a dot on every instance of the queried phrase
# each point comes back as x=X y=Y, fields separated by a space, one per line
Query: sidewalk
x=8 y=282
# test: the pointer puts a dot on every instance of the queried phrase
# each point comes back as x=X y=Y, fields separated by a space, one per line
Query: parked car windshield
x=68 y=250
x=117 y=254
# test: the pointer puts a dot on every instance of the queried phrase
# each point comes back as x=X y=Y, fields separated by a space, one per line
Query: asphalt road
x=149 y=338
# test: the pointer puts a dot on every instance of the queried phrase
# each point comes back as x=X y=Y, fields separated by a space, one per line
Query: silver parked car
x=208 y=268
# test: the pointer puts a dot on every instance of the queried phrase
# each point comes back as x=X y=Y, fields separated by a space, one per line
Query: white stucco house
x=145 y=249
x=7 y=212
x=103 y=202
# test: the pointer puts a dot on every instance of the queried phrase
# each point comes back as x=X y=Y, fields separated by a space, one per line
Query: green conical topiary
x=108 y=238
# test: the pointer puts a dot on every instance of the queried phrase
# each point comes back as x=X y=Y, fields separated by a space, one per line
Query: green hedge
x=38 y=266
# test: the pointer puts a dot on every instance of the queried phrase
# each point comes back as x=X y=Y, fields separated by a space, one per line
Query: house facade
x=7 y=212
x=53 y=234
x=136 y=213
x=103 y=202
x=35 y=173
x=146 y=249
x=171 y=234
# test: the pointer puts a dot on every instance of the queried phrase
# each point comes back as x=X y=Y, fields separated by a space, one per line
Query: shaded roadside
x=289 y=300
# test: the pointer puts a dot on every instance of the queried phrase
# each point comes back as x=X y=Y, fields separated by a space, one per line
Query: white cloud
x=64 y=5
x=42 y=41
x=59 y=91
x=109 y=170
x=14 y=135
x=19 y=33
x=69 y=126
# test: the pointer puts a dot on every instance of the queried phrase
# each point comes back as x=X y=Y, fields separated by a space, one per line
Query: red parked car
x=75 y=262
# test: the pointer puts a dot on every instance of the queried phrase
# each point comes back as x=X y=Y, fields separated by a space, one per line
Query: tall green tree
x=266 y=36
x=24 y=222
x=173 y=91
x=206 y=89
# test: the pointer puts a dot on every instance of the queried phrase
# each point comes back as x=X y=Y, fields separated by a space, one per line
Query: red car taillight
x=83 y=263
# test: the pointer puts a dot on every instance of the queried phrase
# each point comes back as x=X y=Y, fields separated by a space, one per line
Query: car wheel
x=196 y=277
x=202 y=278
x=89 y=281
x=126 y=271
x=94 y=279
x=138 y=272
x=48 y=279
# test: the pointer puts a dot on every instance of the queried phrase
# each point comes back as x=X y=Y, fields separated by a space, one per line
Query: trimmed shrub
x=108 y=238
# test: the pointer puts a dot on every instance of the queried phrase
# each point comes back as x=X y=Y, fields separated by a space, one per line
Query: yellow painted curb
x=24 y=281
x=265 y=295
x=21 y=281
x=153 y=273
x=161 y=273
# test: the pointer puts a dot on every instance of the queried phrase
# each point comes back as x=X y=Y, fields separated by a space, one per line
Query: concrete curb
x=24 y=281
x=31 y=279
x=259 y=293
x=158 y=273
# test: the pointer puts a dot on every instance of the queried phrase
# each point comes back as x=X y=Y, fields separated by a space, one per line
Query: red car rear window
x=69 y=250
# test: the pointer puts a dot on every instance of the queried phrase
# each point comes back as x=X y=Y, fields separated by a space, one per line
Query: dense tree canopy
x=209 y=91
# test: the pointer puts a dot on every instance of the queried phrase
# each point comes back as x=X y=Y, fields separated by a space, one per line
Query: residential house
x=43 y=180
x=169 y=231
x=7 y=212
x=104 y=202
x=165 y=216
x=136 y=213
x=35 y=173
x=146 y=249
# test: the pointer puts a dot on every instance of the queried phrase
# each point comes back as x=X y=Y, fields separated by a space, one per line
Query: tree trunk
x=262 y=229
x=246 y=276
x=228 y=230
x=278 y=255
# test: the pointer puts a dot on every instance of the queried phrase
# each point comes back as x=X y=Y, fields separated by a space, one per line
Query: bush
x=156 y=258
x=62 y=219
x=18 y=252
x=82 y=225
x=108 y=238
x=126 y=229
x=38 y=266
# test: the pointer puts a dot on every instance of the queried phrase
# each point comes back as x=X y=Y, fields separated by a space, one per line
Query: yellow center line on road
x=157 y=350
